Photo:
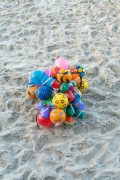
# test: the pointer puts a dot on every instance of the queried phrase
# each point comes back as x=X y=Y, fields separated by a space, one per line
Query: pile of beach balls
x=59 y=90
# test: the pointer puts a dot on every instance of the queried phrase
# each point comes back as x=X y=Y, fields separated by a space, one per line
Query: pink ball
x=62 y=63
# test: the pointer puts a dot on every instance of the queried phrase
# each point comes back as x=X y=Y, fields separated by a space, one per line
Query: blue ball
x=76 y=95
x=36 y=77
x=43 y=92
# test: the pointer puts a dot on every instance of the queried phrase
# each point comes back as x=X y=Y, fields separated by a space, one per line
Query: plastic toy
x=36 y=77
x=79 y=114
x=54 y=71
x=69 y=121
x=70 y=110
x=45 y=111
x=84 y=85
x=64 y=76
x=78 y=104
x=60 y=100
x=47 y=71
x=62 y=63
x=44 y=122
x=43 y=92
x=30 y=92
x=64 y=87
x=69 y=95
x=57 y=116
x=59 y=90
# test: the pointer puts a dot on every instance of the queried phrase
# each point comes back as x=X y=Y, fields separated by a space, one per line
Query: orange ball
x=69 y=120
x=64 y=76
x=76 y=77
x=30 y=92
x=57 y=116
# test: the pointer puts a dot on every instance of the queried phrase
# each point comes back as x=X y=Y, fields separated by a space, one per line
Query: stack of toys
x=59 y=90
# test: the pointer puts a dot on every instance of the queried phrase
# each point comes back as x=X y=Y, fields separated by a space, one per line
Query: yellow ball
x=80 y=70
x=60 y=100
x=84 y=85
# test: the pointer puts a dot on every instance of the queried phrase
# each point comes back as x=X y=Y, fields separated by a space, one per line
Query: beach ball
x=80 y=70
x=79 y=114
x=64 y=76
x=62 y=63
x=76 y=77
x=64 y=87
x=30 y=92
x=54 y=71
x=77 y=93
x=57 y=116
x=47 y=71
x=45 y=122
x=84 y=85
x=36 y=77
x=70 y=110
x=43 y=92
x=69 y=120
x=69 y=95
x=78 y=104
x=60 y=100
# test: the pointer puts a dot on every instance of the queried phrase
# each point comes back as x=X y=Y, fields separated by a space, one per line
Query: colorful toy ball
x=64 y=76
x=36 y=77
x=84 y=85
x=45 y=122
x=64 y=87
x=38 y=106
x=76 y=77
x=70 y=95
x=57 y=116
x=60 y=100
x=54 y=71
x=79 y=114
x=80 y=70
x=62 y=63
x=43 y=92
x=69 y=120
x=30 y=92
x=47 y=71
x=70 y=110
x=78 y=104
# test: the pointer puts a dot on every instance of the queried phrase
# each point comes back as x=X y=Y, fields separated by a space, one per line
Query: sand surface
x=33 y=33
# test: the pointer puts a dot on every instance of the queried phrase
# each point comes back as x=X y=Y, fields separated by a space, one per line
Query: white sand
x=33 y=34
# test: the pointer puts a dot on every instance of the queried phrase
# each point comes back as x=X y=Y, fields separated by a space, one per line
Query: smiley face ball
x=57 y=116
x=60 y=100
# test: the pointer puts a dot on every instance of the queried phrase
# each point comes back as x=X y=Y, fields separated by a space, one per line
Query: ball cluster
x=59 y=90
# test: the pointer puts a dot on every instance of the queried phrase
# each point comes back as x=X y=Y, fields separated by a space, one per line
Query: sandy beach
x=33 y=33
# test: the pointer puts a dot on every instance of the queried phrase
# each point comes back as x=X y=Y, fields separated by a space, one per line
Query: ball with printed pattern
x=57 y=116
x=43 y=92
x=84 y=85
x=80 y=70
x=60 y=100
x=64 y=76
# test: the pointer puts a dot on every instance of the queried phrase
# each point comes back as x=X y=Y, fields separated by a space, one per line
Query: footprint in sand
x=115 y=143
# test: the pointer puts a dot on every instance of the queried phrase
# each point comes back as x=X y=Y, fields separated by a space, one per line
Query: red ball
x=70 y=95
x=54 y=71
x=45 y=122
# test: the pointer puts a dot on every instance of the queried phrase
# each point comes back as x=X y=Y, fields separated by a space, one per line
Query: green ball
x=70 y=110
x=47 y=102
x=64 y=87
x=79 y=114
